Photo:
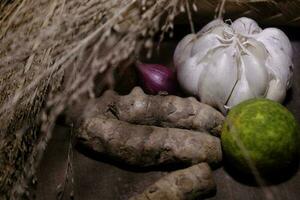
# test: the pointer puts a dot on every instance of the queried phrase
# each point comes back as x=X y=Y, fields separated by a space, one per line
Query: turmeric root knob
x=164 y=111
x=186 y=184
x=144 y=146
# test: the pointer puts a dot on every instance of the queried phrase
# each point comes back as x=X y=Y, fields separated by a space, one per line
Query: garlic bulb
x=226 y=64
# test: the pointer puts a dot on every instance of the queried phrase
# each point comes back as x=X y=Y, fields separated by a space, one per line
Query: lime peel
x=262 y=135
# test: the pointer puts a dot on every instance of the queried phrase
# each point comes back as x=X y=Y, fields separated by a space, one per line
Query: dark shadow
x=208 y=195
x=272 y=178
x=61 y=120
x=238 y=176
x=292 y=32
x=288 y=97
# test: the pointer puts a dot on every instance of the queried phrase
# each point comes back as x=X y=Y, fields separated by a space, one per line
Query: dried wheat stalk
x=50 y=52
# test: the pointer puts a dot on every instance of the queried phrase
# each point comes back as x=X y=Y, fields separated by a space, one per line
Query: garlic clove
x=240 y=93
x=204 y=44
x=242 y=90
x=183 y=49
x=279 y=61
x=257 y=76
x=246 y=26
x=193 y=65
x=219 y=77
x=281 y=67
x=275 y=38
x=190 y=66
x=254 y=75
x=276 y=91
x=256 y=49
x=281 y=78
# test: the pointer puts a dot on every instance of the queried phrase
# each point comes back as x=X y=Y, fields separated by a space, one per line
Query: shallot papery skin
x=157 y=78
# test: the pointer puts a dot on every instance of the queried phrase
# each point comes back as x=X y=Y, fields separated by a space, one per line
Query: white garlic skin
x=226 y=64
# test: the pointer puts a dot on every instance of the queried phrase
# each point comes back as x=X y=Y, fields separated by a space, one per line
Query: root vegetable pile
x=144 y=130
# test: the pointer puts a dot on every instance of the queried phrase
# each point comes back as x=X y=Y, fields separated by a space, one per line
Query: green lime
x=260 y=135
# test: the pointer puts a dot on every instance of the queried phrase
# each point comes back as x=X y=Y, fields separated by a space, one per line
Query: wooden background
x=99 y=179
